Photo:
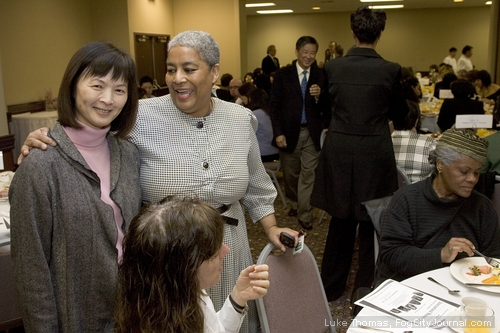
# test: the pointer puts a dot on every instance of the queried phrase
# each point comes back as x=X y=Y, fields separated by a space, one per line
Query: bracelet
x=238 y=308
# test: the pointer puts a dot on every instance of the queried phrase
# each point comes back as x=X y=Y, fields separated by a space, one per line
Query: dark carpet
x=315 y=240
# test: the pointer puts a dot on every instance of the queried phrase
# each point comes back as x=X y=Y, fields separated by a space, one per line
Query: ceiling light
x=379 y=0
x=275 y=11
x=487 y=3
x=264 y=4
x=386 y=6
x=458 y=0
x=316 y=8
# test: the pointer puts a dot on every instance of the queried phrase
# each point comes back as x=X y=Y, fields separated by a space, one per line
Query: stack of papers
x=407 y=306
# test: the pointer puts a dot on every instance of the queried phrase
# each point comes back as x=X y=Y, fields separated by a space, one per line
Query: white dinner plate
x=4 y=198
x=459 y=269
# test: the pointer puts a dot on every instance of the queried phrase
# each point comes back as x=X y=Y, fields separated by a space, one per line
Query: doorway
x=151 y=56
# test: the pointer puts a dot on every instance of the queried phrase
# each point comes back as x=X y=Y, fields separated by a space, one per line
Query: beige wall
x=415 y=38
x=222 y=21
x=37 y=39
x=111 y=22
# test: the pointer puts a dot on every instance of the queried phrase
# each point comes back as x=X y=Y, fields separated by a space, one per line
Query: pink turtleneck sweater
x=93 y=146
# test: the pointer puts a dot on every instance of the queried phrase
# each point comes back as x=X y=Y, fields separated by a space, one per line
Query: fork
x=492 y=261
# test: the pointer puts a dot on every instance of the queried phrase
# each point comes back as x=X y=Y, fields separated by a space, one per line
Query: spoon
x=442 y=285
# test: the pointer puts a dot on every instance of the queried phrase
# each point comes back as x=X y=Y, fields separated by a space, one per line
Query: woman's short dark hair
x=485 y=77
x=462 y=89
x=166 y=244
x=245 y=88
x=258 y=99
x=97 y=59
x=367 y=25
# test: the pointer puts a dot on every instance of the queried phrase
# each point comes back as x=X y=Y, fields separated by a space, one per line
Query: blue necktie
x=303 y=87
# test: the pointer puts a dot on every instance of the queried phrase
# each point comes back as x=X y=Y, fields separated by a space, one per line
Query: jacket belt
x=229 y=220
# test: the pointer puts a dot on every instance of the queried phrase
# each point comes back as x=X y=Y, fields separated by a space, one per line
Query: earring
x=439 y=170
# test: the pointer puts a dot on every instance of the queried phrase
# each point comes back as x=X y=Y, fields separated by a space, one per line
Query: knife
x=481 y=284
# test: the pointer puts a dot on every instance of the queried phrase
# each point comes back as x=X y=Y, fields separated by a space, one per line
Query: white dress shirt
x=227 y=320
x=464 y=63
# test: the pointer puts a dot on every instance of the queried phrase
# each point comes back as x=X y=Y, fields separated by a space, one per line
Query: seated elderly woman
x=433 y=222
x=172 y=252
x=485 y=89
x=461 y=103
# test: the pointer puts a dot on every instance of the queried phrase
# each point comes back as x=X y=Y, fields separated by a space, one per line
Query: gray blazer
x=63 y=236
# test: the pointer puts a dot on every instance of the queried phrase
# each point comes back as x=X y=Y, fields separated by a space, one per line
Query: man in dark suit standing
x=298 y=115
x=330 y=51
x=270 y=63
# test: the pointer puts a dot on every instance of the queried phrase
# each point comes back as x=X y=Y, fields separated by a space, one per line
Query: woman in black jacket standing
x=357 y=161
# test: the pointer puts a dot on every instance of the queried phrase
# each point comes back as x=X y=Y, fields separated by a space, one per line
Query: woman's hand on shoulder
x=36 y=139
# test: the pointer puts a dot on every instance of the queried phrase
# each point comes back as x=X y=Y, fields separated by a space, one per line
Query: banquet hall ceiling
x=305 y=6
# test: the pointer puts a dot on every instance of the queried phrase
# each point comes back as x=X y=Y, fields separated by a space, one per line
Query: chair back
x=296 y=300
x=403 y=179
x=272 y=169
x=10 y=312
x=273 y=166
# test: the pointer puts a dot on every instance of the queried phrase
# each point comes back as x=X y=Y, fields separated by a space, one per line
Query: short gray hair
x=200 y=41
x=445 y=154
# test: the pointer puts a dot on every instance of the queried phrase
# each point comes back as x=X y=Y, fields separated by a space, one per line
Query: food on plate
x=4 y=193
x=478 y=270
x=494 y=279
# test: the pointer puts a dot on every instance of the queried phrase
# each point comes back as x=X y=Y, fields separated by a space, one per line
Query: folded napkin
x=5 y=179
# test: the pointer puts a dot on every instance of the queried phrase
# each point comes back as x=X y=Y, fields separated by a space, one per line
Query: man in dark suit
x=298 y=115
x=270 y=63
x=330 y=51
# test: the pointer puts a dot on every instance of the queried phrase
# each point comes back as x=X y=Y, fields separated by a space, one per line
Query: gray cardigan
x=63 y=236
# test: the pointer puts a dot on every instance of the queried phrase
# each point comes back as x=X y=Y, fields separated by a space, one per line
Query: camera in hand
x=287 y=240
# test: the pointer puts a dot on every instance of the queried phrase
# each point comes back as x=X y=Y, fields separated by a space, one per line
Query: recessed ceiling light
x=264 y=4
x=379 y=0
x=458 y=0
x=275 y=11
x=386 y=7
x=316 y=8
x=487 y=3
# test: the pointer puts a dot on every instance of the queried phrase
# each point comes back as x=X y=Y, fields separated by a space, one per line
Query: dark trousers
x=338 y=253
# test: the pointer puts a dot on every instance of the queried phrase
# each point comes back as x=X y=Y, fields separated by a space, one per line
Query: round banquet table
x=25 y=123
x=443 y=276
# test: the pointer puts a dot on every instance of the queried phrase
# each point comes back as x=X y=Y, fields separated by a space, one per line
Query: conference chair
x=296 y=300
x=272 y=169
x=403 y=179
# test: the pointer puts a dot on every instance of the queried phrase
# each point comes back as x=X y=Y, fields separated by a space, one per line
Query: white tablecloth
x=430 y=123
x=444 y=276
x=22 y=124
